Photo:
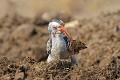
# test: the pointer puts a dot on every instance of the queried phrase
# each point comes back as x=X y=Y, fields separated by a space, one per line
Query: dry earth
x=23 y=49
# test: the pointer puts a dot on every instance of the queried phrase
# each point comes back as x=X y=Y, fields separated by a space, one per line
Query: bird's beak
x=64 y=30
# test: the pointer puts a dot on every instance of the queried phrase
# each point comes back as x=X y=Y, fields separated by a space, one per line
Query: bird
x=59 y=42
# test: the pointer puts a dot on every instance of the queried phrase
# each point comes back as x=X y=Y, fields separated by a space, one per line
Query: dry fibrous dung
x=76 y=46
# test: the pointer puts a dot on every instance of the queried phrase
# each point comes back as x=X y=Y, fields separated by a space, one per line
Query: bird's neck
x=58 y=42
x=57 y=39
x=57 y=36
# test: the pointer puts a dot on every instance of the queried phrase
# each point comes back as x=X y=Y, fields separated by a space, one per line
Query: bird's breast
x=59 y=45
x=59 y=48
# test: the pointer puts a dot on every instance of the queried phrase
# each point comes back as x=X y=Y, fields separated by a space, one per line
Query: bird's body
x=58 y=44
x=58 y=48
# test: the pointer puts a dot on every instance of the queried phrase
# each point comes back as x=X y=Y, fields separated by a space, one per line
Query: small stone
x=48 y=16
x=19 y=75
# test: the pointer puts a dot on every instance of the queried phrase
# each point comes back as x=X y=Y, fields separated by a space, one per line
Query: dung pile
x=76 y=46
x=100 y=61
x=30 y=69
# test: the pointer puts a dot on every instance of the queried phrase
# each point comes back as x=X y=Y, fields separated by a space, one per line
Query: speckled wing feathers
x=49 y=46
x=67 y=41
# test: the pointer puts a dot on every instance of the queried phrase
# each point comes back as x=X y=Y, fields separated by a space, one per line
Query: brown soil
x=23 y=50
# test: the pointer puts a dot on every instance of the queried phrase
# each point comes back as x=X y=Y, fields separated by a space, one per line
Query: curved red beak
x=64 y=30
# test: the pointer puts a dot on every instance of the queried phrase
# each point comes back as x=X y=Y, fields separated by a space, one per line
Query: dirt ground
x=23 y=49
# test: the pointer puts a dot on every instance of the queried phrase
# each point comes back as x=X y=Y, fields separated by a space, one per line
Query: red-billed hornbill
x=59 y=42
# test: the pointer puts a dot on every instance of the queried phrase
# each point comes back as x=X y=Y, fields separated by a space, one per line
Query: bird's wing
x=49 y=46
x=67 y=41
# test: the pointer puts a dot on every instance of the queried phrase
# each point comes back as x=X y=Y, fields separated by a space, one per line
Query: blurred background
x=78 y=8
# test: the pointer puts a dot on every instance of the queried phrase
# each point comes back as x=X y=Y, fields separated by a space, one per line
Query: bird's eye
x=54 y=28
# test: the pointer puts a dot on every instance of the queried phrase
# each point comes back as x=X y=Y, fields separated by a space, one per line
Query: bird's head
x=57 y=26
